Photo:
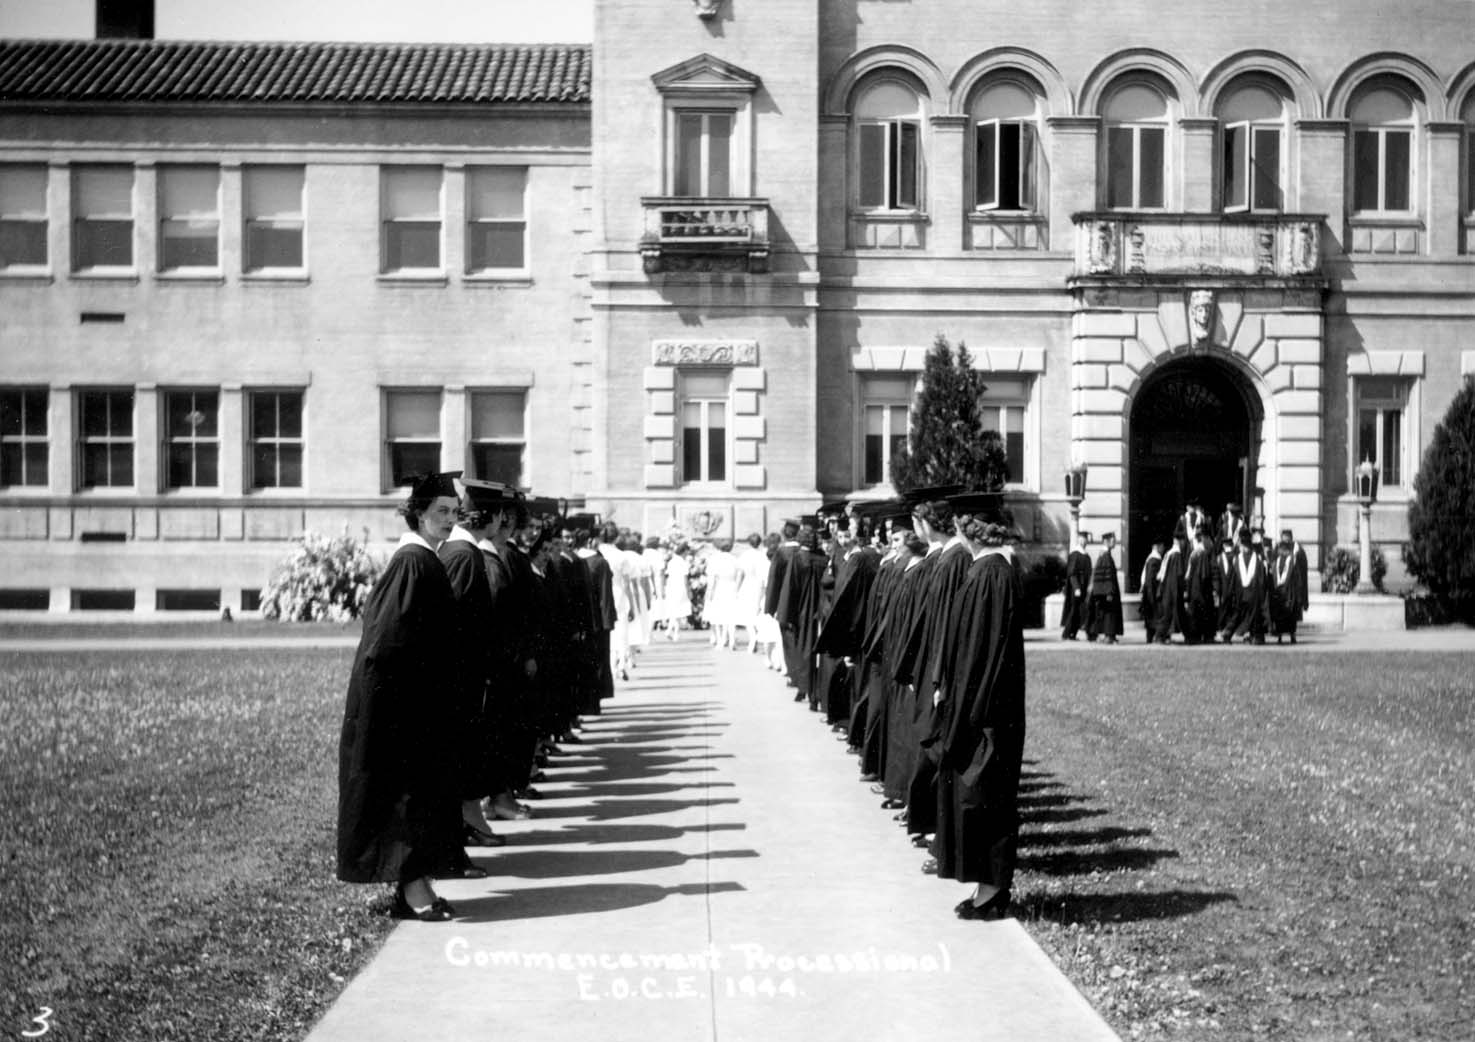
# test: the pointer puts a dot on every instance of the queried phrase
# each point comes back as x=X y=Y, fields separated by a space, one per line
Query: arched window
x=1384 y=119
x=888 y=162
x=1006 y=121
x=1137 y=119
x=1253 y=119
x=1468 y=118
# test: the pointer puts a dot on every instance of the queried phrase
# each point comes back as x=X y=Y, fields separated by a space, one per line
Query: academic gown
x=399 y=814
x=1169 y=618
x=901 y=742
x=518 y=698
x=1147 y=607
x=1077 y=587
x=868 y=719
x=476 y=650
x=983 y=747
x=1250 y=597
x=778 y=566
x=922 y=663
x=842 y=633
x=1200 y=616
x=602 y=604
x=1104 y=606
x=1223 y=569
x=1291 y=596
x=798 y=616
x=579 y=625
x=542 y=686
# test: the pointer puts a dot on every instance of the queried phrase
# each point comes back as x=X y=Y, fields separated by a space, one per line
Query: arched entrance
x=1194 y=433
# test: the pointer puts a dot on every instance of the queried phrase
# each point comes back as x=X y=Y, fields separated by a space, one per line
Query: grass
x=1223 y=843
x=167 y=628
x=167 y=853
x=1242 y=844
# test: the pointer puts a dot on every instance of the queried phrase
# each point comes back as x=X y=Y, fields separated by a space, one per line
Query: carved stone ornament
x=704 y=352
x=1103 y=249
x=1201 y=313
x=707 y=9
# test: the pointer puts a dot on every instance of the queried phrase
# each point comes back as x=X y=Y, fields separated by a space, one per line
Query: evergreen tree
x=1441 y=516
x=948 y=444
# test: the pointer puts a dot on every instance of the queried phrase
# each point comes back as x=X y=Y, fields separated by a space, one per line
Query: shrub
x=1041 y=574
x=948 y=444
x=322 y=579
x=1342 y=569
x=1441 y=515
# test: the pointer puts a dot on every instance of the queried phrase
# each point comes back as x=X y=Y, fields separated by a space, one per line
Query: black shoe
x=550 y=750
x=529 y=793
x=930 y=866
x=569 y=738
x=471 y=836
x=920 y=840
x=879 y=790
x=801 y=696
x=870 y=777
x=439 y=911
x=890 y=804
x=992 y=910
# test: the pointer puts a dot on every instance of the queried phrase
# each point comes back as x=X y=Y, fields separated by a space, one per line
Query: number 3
x=41 y=1019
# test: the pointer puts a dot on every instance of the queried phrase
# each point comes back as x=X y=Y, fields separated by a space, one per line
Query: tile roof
x=167 y=70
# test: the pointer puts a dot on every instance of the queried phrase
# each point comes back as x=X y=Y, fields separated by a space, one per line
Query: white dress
x=655 y=560
x=678 y=598
x=723 y=576
x=641 y=583
x=620 y=576
x=753 y=567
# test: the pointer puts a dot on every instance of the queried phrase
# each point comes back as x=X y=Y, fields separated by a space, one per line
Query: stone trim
x=896 y=359
x=704 y=352
x=747 y=427
x=1389 y=363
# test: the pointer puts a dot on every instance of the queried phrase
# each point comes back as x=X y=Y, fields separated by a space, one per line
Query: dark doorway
x=1193 y=425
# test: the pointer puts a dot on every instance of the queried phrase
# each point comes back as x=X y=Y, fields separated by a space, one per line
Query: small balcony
x=713 y=235
x=1152 y=247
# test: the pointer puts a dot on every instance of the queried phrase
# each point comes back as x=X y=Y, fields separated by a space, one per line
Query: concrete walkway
x=707 y=867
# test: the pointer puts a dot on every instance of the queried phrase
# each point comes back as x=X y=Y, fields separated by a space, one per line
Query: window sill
x=890 y=215
x=27 y=274
x=1382 y=220
x=129 y=275
x=410 y=278
x=24 y=491
x=276 y=492
x=268 y=277
x=212 y=277
x=513 y=278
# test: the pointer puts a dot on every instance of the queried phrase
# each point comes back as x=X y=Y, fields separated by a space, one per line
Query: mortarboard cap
x=429 y=486
x=580 y=522
x=1083 y=534
x=900 y=518
x=973 y=502
x=811 y=520
x=489 y=495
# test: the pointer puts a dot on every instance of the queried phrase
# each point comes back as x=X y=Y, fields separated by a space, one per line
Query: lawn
x=166 y=858
x=1243 y=844
x=213 y=629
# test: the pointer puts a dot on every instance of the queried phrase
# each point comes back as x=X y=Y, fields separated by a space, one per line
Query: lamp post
x=1075 y=491
x=1367 y=495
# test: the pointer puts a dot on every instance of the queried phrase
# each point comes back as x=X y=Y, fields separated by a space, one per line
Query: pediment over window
x=706 y=73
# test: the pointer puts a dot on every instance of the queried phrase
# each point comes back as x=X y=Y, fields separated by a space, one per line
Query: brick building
x=691 y=272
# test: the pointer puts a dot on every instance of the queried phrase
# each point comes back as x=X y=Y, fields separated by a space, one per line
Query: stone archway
x=1194 y=432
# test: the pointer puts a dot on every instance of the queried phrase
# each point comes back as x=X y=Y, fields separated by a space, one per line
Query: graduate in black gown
x=842 y=635
x=899 y=759
x=1200 y=618
x=1169 y=617
x=399 y=818
x=508 y=692
x=868 y=725
x=1291 y=596
x=798 y=611
x=1249 y=594
x=1077 y=588
x=982 y=687
x=1104 y=605
x=478 y=651
x=602 y=607
x=778 y=564
x=1147 y=607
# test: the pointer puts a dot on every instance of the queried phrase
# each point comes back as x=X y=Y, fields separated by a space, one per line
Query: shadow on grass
x=1119 y=907
x=1084 y=862
x=1080 y=837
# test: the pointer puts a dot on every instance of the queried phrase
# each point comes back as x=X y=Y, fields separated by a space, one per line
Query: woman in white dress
x=655 y=561
x=753 y=582
x=640 y=571
x=720 y=609
x=678 y=599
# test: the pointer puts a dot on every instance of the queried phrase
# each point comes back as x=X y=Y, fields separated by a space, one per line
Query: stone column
x=147 y=479
x=232 y=262
x=453 y=208
x=834 y=189
x=233 y=443
x=454 y=451
x=947 y=185
x=1072 y=174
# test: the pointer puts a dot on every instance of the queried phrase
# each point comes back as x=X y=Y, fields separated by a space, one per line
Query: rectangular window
x=1136 y=175
x=412 y=434
x=890 y=161
x=22 y=217
x=496 y=218
x=704 y=427
x=24 y=599
x=1381 y=404
x=1002 y=407
x=412 y=218
x=885 y=419
x=105 y=422
x=189 y=217
x=103 y=600
x=703 y=161
x=276 y=439
x=192 y=439
x=1470 y=171
x=497 y=435
x=1005 y=167
x=272 y=217
x=23 y=437
x=102 y=217
x=1382 y=170
x=186 y=600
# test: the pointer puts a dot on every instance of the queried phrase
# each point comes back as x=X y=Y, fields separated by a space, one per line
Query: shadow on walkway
x=575 y=898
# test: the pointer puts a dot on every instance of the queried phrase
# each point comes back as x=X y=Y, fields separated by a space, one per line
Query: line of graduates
x=1242 y=590
x=904 y=628
x=485 y=639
